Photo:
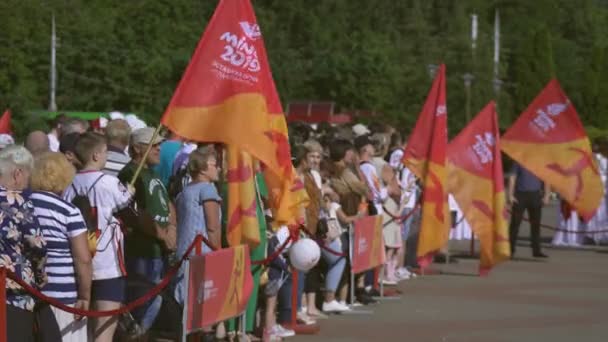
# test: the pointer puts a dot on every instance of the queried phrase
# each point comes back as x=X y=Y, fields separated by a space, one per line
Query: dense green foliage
x=129 y=55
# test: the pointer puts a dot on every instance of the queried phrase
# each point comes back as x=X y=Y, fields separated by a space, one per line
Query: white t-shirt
x=108 y=196
x=379 y=192
x=396 y=159
x=452 y=203
x=53 y=142
x=317 y=177
x=602 y=166
x=409 y=189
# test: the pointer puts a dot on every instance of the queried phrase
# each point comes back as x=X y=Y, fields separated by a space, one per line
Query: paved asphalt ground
x=562 y=298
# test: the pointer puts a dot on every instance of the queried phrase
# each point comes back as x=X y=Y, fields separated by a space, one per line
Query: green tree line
x=372 y=55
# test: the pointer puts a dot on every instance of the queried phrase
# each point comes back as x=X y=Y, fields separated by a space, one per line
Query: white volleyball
x=304 y=254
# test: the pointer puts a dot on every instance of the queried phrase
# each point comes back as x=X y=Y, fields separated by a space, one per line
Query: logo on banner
x=239 y=59
x=482 y=147
x=363 y=245
x=441 y=110
x=544 y=120
x=251 y=30
x=206 y=291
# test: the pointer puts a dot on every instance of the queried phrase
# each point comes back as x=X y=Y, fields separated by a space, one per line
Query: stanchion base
x=302 y=329
x=392 y=292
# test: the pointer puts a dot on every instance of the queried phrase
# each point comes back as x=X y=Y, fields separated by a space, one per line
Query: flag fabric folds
x=242 y=223
x=227 y=95
x=5 y=123
x=475 y=178
x=549 y=140
x=425 y=155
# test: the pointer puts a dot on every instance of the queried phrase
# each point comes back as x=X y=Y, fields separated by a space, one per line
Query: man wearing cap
x=151 y=238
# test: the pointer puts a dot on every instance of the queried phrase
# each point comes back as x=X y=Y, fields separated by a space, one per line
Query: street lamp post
x=432 y=69
x=468 y=81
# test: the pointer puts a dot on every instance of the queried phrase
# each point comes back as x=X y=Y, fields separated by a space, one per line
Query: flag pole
x=143 y=159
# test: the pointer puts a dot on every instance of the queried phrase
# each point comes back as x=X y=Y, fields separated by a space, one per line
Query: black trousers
x=19 y=324
x=531 y=202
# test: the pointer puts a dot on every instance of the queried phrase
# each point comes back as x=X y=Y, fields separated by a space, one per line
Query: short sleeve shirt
x=108 y=195
x=60 y=221
x=525 y=180
x=22 y=246
x=150 y=196
x=191 y=215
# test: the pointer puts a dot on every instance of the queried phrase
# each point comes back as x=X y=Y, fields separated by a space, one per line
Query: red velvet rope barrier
x=555 y=229
x=138 y=302
x=322 y=244
x=401 y=219
x=276 y=253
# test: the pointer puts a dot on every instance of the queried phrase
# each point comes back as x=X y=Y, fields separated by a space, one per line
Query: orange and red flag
x=475 y=178
x=425 y=155
x=5 y=123
x=227 y=93
x=549 y=140
x=242 y=224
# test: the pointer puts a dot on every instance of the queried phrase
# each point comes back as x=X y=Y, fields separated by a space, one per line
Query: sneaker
x=305 y=319
x=284 y=332
x=334 y=306
x=344 y=306
x=278 y=331
x=402 y=275
x=389 y=282
x=403 y=271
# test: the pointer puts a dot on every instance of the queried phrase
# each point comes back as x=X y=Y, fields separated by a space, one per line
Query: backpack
x=89 y=214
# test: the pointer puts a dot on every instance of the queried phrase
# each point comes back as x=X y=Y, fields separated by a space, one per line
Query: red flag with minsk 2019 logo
x=549 y=140
x=227 y=94
x=475 y=178
x=425 y=155
x=218 y=287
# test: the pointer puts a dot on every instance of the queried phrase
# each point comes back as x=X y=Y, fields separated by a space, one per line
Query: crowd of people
x=79 y=225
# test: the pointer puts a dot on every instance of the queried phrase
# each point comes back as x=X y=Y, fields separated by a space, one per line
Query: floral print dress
x=22 y=246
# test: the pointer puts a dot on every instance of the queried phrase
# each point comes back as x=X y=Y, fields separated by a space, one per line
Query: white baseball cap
x=360 y=129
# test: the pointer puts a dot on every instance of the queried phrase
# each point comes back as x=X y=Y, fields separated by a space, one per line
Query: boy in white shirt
x=379 y=194
x=107 y=196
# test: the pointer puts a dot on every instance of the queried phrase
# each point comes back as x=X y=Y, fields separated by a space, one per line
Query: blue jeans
x=152 y=270
x=335 y=266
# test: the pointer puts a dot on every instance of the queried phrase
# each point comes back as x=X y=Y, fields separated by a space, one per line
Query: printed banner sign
x=368 y=244
x=219 y=286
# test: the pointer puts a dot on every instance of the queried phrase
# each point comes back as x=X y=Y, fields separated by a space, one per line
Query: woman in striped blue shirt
x=68 y=265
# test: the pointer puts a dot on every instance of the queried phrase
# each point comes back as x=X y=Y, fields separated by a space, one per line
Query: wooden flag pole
x=143 y=159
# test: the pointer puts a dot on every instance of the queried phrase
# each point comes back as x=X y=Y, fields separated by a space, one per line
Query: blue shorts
x=112 y=290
